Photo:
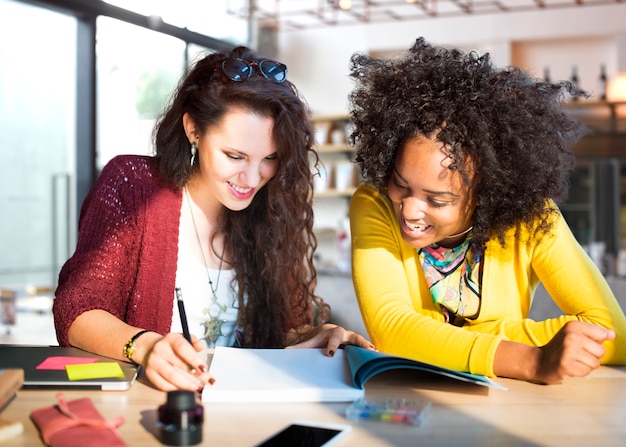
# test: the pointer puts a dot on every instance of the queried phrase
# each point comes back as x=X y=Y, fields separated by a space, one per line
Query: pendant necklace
x=213 y=324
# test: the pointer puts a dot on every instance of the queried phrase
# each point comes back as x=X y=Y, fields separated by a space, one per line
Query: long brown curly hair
x=271 y=243
x=510 y=125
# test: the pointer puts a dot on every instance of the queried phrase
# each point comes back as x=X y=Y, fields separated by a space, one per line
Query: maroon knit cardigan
x=127 y=251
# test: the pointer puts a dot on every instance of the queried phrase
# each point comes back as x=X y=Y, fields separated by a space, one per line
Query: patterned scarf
x=454 y=277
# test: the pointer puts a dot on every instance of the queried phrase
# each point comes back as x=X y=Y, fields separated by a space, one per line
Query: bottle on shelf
x=574 y=79
x=344 y=245
x=546 y=74
x=602 y=82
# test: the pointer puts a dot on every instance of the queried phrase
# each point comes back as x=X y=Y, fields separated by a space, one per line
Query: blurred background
x=82 y=81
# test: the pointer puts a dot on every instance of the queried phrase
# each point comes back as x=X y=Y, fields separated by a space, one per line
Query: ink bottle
x=180 y=419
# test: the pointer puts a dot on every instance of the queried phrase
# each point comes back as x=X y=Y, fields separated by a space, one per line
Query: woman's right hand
x=170 y=362
x=574 y=351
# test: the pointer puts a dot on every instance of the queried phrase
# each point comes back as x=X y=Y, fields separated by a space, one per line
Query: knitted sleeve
x=103 y=272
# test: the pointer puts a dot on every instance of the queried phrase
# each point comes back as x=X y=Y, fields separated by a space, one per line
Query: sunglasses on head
x=239 y=70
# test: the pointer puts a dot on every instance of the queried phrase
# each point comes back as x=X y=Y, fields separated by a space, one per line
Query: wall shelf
x=602 y=117
x=334 y=148
x=332 y=191
x=339 y=177
x=336 y=193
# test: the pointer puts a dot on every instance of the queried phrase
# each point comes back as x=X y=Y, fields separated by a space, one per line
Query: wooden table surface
x=588 y=411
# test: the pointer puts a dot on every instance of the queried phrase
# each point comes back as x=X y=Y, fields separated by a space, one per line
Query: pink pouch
x=76 y=423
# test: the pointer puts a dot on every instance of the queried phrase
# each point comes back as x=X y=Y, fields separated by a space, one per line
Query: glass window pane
x=137 y=71
x=37 y=140
x=196 y=52
x=208 y=17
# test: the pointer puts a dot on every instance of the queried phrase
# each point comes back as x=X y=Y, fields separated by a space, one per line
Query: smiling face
x=237 y=157
x=430 y=199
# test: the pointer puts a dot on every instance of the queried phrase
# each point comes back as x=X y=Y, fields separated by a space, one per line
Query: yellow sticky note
x=98 y=370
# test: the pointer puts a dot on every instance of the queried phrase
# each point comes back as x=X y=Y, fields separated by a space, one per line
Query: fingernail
x=200 y=389
x=331 y=353
x=211 y=381
x=202 y=367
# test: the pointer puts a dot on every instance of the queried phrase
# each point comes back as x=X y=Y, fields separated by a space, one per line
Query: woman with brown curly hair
x=458 y=222
x=222 y=214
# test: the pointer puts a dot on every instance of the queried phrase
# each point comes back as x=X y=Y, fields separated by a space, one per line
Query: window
x=37 y=116
x=137 y=71
x=208 y=17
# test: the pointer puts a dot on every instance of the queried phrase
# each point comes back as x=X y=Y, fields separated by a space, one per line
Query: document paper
x=279 y=375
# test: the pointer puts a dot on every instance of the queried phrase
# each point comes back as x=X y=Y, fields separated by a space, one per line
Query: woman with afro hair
x=457 y=220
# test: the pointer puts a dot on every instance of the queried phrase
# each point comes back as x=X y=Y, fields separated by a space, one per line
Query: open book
x=307 y=375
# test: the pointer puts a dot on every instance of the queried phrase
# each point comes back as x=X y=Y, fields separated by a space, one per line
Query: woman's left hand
x=331 y=337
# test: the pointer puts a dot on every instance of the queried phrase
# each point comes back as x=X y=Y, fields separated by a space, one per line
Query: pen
x=183 y=315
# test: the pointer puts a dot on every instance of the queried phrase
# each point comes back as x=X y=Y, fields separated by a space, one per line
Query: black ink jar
x=181 y=418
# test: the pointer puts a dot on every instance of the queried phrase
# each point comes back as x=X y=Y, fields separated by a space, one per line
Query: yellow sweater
x=401 y=318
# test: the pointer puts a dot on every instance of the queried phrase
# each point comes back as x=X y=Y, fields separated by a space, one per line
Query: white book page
x=279 y=375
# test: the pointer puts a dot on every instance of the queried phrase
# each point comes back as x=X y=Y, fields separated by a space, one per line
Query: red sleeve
x=105 y=271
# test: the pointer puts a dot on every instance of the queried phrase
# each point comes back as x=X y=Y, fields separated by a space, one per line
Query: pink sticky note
x=59 y=362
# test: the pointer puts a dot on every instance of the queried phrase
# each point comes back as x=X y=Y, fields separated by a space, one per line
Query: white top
x=191 y=278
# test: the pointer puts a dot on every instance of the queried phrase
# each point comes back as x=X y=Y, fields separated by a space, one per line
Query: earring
x=194 y=151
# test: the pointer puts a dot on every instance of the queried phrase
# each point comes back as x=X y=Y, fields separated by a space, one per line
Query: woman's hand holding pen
x=329 y=336
x=171 y=362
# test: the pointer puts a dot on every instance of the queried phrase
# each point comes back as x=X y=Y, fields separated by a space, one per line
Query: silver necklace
x=213 y=324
